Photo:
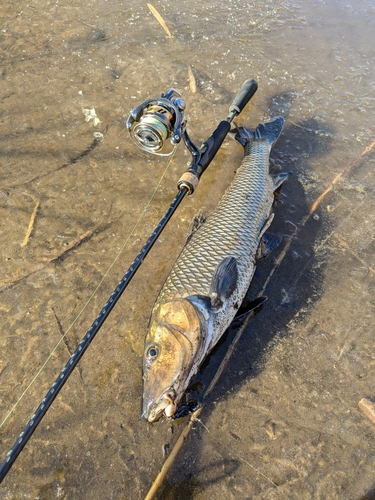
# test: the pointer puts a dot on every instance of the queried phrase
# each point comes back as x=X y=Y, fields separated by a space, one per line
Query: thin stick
x=31 y=225
x=229 y=353
x=171 y=458
x=368 y=408
x=57 y=254
x=314 y=206
x=347 y=247
x=66 y=340
x=192 y=81
x=63 y=334
x=159 y=19
x=97 y=140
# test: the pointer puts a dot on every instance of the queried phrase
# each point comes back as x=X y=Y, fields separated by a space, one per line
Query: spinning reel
x=158 y=124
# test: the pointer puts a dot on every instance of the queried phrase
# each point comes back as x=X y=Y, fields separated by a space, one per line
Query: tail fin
x=269 y=131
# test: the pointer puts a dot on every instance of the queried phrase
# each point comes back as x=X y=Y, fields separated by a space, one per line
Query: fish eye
x=152 y=352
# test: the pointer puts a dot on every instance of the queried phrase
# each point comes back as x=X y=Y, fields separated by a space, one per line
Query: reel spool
x=158 y=124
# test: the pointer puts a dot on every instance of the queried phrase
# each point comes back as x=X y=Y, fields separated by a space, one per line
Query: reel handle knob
x=246 y=92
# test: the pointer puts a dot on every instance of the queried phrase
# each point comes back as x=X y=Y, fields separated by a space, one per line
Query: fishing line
x=94 y=292
x=150 y=132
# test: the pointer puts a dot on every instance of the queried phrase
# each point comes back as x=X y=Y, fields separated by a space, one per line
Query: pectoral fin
x=224 y=281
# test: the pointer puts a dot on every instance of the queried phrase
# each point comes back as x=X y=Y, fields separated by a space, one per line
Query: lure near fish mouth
x=209 y=280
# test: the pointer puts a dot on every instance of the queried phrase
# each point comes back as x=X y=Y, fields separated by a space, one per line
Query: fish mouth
x=165 y=404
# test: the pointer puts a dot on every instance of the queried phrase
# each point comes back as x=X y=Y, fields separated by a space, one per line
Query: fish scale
x=232 y=230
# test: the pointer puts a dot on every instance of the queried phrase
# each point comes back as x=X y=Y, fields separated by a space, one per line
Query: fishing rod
x=157 y=126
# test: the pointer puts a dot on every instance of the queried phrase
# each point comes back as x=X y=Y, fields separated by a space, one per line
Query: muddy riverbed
x=75 y=207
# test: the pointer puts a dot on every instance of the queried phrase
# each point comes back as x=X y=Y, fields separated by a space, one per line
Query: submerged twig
x=159 y=19
x=368 y=408
x=347 y=247
x=63 y=334
x=57 y=254
x=65 y=339
x=313 y=208
x=97 y=140
x=31 y=225
x=172 y=456
x=192 y=81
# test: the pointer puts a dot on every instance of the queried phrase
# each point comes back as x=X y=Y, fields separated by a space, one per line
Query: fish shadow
x=293 y=289
x=370 y=495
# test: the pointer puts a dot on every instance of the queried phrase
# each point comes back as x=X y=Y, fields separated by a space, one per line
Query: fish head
x=171 y=344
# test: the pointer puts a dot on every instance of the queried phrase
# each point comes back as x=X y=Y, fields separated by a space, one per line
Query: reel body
x=158 y=124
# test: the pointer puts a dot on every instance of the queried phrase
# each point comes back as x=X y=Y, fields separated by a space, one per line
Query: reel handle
x=246 y=92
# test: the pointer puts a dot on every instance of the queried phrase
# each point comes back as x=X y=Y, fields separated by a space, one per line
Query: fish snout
x=153 y=410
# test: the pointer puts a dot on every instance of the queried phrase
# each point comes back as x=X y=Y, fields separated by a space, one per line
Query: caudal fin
x=270 y=131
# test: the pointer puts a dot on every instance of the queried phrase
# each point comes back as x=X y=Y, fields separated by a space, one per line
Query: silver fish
x=209 y=280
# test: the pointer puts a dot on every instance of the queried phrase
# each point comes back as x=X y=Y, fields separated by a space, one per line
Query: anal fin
x=267 y=244
x=266 y=225
x=279 y=179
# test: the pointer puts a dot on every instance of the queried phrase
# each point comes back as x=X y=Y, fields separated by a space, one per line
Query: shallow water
x=283 y=420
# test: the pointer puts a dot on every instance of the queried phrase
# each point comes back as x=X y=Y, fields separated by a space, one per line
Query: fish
x=209 y=280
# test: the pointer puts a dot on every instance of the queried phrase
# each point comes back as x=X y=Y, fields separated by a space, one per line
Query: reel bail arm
x=155 y=121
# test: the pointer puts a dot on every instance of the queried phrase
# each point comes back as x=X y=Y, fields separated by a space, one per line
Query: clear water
x=283 y=420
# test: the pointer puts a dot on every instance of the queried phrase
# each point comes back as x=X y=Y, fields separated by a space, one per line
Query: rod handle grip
x=246 y=92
